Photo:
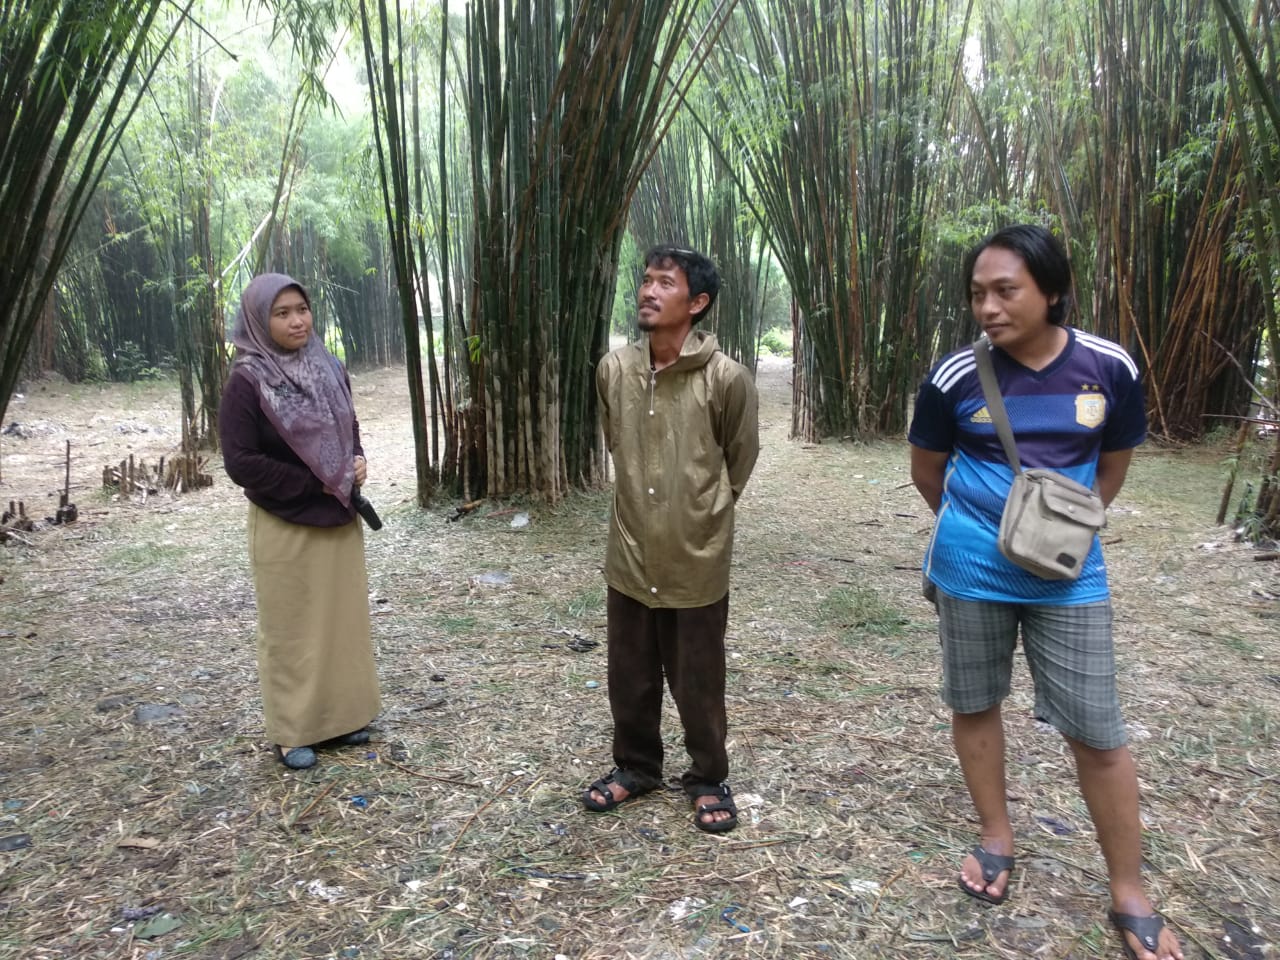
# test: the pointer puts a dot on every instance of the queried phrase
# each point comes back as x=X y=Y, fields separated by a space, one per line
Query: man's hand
x=928 y=473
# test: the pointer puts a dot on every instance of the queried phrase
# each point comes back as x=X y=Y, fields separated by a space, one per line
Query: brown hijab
x=303 y=392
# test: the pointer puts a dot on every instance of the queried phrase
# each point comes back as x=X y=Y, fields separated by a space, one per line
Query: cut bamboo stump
x=178 y=473
x=133 y=476
x=13 y=520
x=186 y=471
x=181 y=472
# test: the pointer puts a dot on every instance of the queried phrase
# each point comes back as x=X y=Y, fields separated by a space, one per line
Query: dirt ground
x=142 y=815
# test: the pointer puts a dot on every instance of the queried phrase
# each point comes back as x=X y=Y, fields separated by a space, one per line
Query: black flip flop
x=992 y=864
x=1146 y=929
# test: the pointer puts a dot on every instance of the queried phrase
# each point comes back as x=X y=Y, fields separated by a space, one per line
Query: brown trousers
x=687 y=645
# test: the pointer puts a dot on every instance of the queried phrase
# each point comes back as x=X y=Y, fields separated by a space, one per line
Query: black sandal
x=1146 y=929
x=992 y=864
x=628 y=781
x=725 y=803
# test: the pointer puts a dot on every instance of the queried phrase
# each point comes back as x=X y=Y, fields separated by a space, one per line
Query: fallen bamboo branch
x=426 y=776
x=308 y=808
x=471 y=819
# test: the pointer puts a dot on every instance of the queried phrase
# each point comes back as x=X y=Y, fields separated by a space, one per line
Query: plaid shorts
x=1068 y=649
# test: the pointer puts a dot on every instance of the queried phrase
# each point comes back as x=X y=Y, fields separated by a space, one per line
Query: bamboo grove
x=468 y=187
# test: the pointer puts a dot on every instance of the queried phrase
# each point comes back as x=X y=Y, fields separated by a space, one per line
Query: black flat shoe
x=357 y=738
x=299 y=758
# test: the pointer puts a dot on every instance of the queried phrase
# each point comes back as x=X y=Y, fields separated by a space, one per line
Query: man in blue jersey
x=1076 y=406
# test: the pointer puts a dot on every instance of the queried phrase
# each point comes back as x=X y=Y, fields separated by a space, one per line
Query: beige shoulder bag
x=1049 y=520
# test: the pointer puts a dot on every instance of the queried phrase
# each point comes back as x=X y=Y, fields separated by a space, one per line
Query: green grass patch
x=452 y=624
x=1239 y=645
x=855 y=611
x=776 y=342
x=585 y=603
x=136 y=557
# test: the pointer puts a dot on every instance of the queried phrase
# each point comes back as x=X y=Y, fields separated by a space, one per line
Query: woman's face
x=1006 y=300
x=290 y=319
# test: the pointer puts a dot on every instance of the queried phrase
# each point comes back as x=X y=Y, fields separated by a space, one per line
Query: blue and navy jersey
x=1088 y=401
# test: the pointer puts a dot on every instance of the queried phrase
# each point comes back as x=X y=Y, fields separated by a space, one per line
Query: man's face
x=1006 y=301
x=290 y=319
x=664 y=299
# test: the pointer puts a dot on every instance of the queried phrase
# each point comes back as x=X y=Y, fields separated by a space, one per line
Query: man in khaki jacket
x=680 y=419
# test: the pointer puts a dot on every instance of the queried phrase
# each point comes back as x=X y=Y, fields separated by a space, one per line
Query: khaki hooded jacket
x=684 y=441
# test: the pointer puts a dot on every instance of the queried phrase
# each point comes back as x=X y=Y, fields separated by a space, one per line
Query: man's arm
x=741 y=430
x=602 y=393
x=928 y=473
x=1113 y=466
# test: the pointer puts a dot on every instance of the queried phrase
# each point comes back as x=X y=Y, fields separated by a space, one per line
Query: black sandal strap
x=1146 y=929
x=992 y=864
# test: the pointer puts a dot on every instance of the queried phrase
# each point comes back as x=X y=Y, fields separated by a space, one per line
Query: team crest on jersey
x=1091 y=409
x=981 y=416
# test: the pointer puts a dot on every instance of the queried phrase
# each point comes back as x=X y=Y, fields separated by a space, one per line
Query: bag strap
x=995 y=402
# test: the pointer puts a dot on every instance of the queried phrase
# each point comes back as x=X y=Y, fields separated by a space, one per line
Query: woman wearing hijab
x=290 y=438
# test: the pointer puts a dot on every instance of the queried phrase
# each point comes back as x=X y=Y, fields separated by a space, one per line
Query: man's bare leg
x=1109 y=783
x=979 y=743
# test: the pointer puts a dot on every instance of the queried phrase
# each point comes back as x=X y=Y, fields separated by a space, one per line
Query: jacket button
x=653 y=589
x=651 y=491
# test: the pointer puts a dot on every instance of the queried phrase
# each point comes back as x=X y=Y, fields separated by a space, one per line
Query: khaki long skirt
x=315 y=654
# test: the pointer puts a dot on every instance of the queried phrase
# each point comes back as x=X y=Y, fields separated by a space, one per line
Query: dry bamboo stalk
x=471 y=819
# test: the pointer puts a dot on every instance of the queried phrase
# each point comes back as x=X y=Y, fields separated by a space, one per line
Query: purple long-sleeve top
x=258 y=459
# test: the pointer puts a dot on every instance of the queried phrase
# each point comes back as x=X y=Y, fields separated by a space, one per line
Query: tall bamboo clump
x=65 y=95
x=908 y=74
x=839 y=114
x=1256 y=112
x=1168 y=183
x=1106 y=121
x=790 y=114
x=113 y=320
x=561 y=115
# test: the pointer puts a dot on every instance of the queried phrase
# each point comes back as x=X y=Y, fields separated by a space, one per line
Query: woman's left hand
x=362 y=470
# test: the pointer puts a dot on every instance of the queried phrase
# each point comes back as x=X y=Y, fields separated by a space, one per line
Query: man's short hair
x=1045 y=259
x=700 y=273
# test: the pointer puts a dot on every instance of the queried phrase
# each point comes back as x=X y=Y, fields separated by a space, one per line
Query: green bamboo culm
x=399 y=155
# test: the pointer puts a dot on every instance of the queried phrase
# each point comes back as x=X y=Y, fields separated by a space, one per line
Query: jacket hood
x=698 y=349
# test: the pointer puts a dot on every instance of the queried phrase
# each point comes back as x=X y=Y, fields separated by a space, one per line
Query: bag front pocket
x=1049 y=523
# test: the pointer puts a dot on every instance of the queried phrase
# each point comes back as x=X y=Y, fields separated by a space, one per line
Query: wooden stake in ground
x=66 y=512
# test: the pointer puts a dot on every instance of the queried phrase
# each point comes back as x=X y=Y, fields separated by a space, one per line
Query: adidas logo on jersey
x=981 y=416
